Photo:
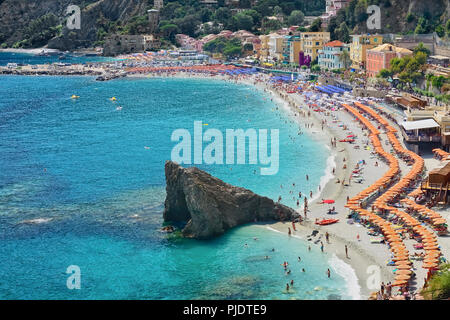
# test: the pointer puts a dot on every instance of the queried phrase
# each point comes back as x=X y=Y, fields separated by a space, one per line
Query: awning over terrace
x=420 y=124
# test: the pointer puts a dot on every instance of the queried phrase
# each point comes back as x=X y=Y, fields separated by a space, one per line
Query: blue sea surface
x=27 y=58
x=82 y=183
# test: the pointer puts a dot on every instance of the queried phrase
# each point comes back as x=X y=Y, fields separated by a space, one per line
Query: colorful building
x=291 y=45
x=331 y=9
x=263 y=52
x=295 y=46
x=276 y=47
x=360 y=44
x=380 y=57
x=330 y=57
x=312 y=42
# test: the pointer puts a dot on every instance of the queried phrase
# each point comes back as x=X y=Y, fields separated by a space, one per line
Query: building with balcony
x=380 y=57
x=330 y=57
x=263 y=52
x=123 y=43
x=430 y=125
x=360 y=44
x=276 y=43
x=312 y=42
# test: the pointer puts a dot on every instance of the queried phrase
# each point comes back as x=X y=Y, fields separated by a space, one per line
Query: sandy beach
x=367 y=260
x=363 y=255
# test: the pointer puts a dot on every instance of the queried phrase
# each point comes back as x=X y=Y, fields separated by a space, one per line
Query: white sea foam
x=275 y=230
x=328 y=176
x=37 y=221
x=348 y=273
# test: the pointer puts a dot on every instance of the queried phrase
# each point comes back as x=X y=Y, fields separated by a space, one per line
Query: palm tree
x=345 y=59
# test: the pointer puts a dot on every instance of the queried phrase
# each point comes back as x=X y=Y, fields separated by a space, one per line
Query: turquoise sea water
x=25 y=58
x=93 y=177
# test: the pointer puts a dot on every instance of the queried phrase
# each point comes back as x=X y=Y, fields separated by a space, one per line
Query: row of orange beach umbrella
x=441 y=153
x=397 y=247
x=431 y=260
x=393 y=163
x=435 y=218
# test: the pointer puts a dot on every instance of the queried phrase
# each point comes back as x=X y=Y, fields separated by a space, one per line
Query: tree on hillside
x=269 y=25
x=316 y=26
x=242 y=21
x=421 y=48
x=296 y=18
x=222 y=15
x=188 y=24
x=169 y=31
x=343 y=33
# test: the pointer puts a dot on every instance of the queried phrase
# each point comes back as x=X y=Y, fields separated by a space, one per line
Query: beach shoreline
x=361 y=256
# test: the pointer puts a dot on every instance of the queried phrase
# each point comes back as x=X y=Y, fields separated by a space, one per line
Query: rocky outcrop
x=210 y=206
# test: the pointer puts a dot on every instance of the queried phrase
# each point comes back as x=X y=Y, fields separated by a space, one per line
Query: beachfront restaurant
x=421 y=131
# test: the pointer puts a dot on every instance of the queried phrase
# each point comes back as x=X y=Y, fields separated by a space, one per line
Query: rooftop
x=389 y=47
x=335 y=43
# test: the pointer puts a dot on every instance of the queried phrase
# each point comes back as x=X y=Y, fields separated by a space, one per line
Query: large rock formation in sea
x=210 y=206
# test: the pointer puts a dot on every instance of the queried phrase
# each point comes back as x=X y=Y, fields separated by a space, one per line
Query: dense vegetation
x=40 y=31
x=228 y=47
x=409 y=69
x=190 y=16
x=196 y=19
x=395 y=20
x=439 y=285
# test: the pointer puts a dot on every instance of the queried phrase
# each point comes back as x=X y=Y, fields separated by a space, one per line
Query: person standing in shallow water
x=328 y=273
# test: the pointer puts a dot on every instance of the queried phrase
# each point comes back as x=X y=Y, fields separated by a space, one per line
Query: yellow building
x=294 y=49
x=263 y=52
x=276 y=47
x=312 y=42
x=359 y=46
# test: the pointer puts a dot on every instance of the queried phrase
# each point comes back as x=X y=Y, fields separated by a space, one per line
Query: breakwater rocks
x=210 y=206
x=101 y=74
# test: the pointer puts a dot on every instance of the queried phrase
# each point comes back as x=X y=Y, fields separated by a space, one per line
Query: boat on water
x=325 y=222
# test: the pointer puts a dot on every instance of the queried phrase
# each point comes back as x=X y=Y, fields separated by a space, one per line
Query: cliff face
x=211 y=206
x=16 y=15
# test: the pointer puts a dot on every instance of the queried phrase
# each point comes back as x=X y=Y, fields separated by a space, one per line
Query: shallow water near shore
x=82 y=183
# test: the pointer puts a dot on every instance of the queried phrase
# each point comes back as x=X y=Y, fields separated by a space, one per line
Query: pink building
x=380 y=57
x=331 y=9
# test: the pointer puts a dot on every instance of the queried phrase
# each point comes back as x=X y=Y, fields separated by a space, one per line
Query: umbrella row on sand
x=388 y=177
x=396 y=246
x=431 y=216
x=443 y=155
x=429 y=240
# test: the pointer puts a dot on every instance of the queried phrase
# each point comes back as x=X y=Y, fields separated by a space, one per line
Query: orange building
x=380 y=57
